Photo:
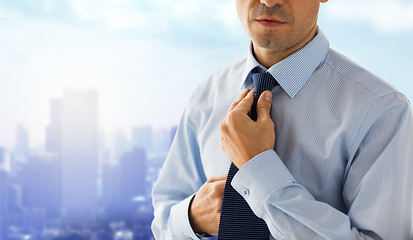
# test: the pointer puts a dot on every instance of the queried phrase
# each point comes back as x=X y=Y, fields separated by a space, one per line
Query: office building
x=121 y=144
x=79 y=155
x=54 y=130
x=4 y=197
x=132 y=174
x=111 y=188
x=2 y=155
x=42 y=184
x=21 y=146
x=122 y=183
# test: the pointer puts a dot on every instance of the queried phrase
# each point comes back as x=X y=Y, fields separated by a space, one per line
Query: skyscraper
x=132 y=174
x=21 y=146
x=2 y=155
x=132 y=168
x=124 y=182
x=41 y=184
x=121 y=145
x=21 y=149
x=79 y=153
x=4 y=196
x=54 y=130
x=111 y=190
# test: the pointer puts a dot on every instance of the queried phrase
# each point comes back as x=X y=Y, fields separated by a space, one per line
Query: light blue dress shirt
x=342 y=165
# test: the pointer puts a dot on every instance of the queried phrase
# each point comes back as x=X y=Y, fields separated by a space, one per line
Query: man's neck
x=269 y=57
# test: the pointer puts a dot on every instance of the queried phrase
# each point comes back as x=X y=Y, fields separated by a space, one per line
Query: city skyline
x=77 y=185
x=42 y=144
x=155 y=140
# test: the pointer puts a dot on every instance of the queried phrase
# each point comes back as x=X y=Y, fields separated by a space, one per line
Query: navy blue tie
x=237 y=220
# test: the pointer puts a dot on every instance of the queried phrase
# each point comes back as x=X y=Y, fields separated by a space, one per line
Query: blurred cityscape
x=78 y=186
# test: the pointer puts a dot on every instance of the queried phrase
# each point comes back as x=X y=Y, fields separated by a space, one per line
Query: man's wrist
x=192 y=222
x=190 y=216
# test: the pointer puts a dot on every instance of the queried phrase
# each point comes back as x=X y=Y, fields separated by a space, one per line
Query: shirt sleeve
x=180 y=177
x=377 y=186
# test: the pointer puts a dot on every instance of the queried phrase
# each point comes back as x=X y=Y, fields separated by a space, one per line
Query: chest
x=310 y=140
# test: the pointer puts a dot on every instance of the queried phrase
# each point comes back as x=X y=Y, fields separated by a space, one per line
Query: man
x=329 y=156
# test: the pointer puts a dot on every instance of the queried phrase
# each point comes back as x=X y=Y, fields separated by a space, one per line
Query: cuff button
x=246 y=192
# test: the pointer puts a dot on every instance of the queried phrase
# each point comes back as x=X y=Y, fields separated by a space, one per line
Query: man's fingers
x=217 y=185
x=264 y=106
x=245 y=104
x=218 y=178
x=220 y=185
x=242 y=96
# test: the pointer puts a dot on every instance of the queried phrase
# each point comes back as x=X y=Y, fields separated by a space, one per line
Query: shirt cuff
x=180 y=218
x=259 y=177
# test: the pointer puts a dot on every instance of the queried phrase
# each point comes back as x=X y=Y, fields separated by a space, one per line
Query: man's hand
x=243 y=138
x=205 y=208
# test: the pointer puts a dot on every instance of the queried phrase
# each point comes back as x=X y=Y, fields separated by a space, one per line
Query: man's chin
x=273 y=43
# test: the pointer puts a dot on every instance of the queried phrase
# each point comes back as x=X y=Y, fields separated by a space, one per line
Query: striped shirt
x=342 y=165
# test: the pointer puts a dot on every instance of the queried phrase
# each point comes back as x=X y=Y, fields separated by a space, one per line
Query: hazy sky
x=146 y=57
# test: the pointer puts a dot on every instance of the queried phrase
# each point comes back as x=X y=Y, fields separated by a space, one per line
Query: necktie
x=237 y=220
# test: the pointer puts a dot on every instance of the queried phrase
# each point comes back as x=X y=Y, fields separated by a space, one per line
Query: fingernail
x=268 y=96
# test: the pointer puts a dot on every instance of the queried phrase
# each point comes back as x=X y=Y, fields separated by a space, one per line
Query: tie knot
x=263 y=81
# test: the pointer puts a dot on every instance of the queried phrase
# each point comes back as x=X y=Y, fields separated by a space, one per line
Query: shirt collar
x=295 y=70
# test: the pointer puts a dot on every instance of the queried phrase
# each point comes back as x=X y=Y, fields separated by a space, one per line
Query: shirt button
x=246 y=192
